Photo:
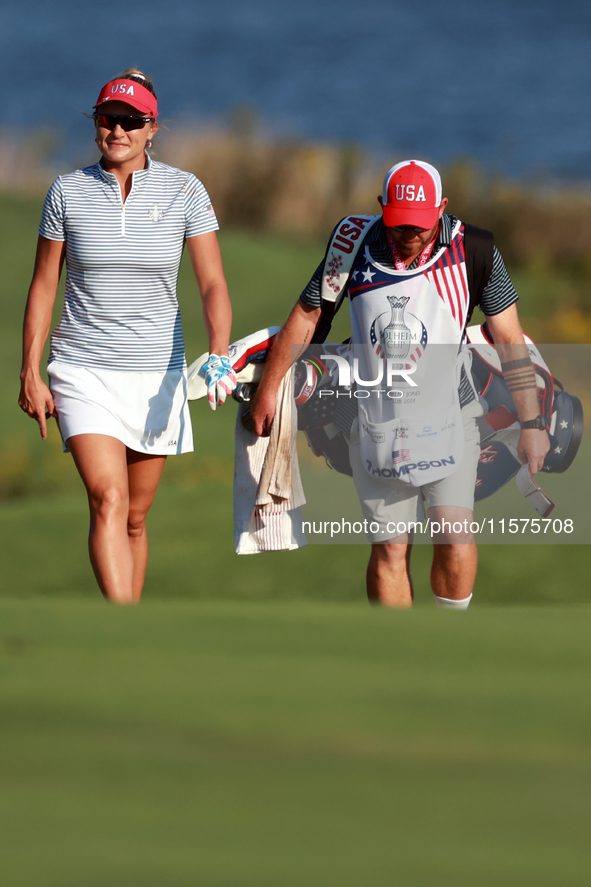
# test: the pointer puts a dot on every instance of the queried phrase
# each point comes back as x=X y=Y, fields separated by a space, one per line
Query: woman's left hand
x=220 y=378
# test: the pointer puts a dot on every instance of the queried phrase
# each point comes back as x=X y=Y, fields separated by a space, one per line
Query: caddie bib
x=408 y=328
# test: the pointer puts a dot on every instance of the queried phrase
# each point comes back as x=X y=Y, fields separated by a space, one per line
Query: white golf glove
x=220 y=378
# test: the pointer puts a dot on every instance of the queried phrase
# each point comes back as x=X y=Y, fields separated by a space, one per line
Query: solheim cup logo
x=396 y=336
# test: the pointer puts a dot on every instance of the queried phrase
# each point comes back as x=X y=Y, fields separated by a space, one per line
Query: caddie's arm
x=520 y=376
x=297 y=331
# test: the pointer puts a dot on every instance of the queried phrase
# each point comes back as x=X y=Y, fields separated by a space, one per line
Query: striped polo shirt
x=121 y=310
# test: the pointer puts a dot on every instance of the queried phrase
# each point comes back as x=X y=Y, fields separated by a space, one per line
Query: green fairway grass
x=255 y=723
x=43 y=544
x=287 y=744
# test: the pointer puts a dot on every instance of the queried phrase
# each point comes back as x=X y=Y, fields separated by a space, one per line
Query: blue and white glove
x=220 y=378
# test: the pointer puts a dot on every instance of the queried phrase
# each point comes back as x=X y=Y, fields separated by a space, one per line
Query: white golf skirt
x=148 y=412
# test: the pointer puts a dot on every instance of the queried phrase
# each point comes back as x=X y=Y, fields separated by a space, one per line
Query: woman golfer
x=117 y=370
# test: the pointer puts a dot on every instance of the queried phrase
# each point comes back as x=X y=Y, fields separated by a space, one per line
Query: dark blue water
x=505 y=82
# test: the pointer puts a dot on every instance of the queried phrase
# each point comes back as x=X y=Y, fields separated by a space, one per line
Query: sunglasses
x=110 y=121
x=401 y=228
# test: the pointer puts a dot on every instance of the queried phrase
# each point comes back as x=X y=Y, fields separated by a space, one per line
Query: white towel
x=268 y=489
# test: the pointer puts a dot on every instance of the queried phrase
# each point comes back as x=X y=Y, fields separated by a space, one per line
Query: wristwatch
x=540 y=423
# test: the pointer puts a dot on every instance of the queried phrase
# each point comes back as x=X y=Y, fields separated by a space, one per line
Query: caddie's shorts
x=392 y=502
x=148 y=412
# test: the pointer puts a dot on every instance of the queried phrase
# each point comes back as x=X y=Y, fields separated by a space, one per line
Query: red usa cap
x=131 y=93
x=412 y=195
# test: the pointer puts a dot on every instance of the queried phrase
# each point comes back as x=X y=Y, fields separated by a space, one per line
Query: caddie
x=413 y=275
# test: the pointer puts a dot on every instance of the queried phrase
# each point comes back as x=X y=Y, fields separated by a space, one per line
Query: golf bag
x=327 y=421
x=499 y=427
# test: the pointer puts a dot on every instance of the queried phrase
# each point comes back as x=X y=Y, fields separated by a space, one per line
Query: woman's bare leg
x=121 y=485
x=102 y=464
x=144 y=473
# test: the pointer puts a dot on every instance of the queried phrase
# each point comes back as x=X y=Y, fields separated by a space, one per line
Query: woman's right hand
x=35 y=397
x=37 y=402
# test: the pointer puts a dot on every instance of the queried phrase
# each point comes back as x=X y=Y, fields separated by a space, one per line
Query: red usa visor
x=131 y=93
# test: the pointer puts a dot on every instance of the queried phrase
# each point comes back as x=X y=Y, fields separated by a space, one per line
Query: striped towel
x=268 y=488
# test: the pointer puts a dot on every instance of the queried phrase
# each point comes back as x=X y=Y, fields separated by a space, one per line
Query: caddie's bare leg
x=454 y=571
x=388 y=574
x=455 y=558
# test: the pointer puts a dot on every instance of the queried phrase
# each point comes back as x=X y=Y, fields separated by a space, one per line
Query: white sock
x=447 y=604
